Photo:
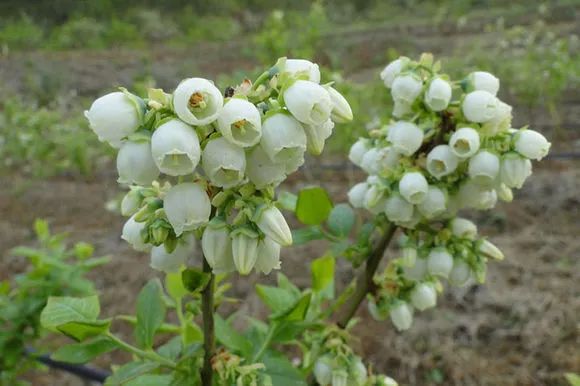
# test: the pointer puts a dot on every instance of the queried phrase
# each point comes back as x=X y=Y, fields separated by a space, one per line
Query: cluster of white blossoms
x=448 y=146
x=203 y=166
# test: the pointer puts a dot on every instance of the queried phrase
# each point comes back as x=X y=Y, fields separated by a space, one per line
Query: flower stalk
x=207 y=309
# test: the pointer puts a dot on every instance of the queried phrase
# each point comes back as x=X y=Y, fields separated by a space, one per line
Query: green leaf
x=297 y=312
x=174 y=286
x=307 y=234
x=83 y=250
x=192 y=333
x=323 y=276
x=573 y=379
x=288 y=201
x=313 y=206
x=150 y=313
x=63 y=310
x=83 y=330
x=129 y=372
x=285 y=283
x=41 y=229
x=230 y=338
x=290 y=331
x=281 y=370
x=171 y=349
x=341 y=220
x=151 y=380
x=194 y=280
x=277 y=299
x=83 y=352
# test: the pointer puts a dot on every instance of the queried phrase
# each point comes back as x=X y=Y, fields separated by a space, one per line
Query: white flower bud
x=388 y=158
x=379 y=207
x=172 y=262
x=423 y=296
x=358 y=373
x=484 y=168
x=245 y=252
x=323 y=371
x=217 y=249
x=130 y=203
x=187 y=206
x=341 y=111
x=370 y=161
x=481 y=80
x=268 y=256
x=504 y=193
x=393 y=69
x=464 y=142
x=356 y=194
x=532 y=144
x=472 y=195
x=417 y=271
x=339 y=378
x=113 y=117
x=439 y=262
x=295 y=66
x=487 y=249
x=406 y=88
x=461 y=227
x=388 y=381
x=405 y=137
x=283 y=140
x=132 y=235
x=223 y=163
x=460 y=274
x=438 y=94
x=398 y=209
x=175 y=148
x=373 y=196
x=434 y=204
x=501 y=121
x=402 y=316
x=411 y=223
x=409 y=256
x=262 y=171
x=135 y=164
x=197 y=101
x=308 y=102
x=400 y=108
x=376 y=312
x=479 y=106
x=273 y=224
x=413 y=187
x=515 y=170
x=441 y=161
x=240 y=122
x=317 y=135
x=358 y=150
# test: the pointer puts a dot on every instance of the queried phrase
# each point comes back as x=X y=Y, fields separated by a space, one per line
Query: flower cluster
x=203 y=166
x=448 y=146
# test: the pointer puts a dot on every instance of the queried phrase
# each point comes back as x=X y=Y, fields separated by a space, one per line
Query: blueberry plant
x=202 y=167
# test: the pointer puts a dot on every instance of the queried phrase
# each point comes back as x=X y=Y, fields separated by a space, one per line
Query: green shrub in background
x=53 y=269
x=21 y=33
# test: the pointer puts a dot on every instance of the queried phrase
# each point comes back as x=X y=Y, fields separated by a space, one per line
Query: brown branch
x=207 y=309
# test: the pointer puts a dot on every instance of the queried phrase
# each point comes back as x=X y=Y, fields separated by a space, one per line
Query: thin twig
x=207 y=309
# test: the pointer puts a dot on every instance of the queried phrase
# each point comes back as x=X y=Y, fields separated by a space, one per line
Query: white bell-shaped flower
x=504 y=193
x=423 y=296
x=113 y=117
x=515 y=170
x=356 y=194
x=175 y=148
x=370 y=161
x=223 y=163
x=373 y=196
x=401 y=108
x=473 y=195
x=302 y=66
x=341 y=111
x=317 y=135
x=273 y=224
x=262 y=171
x=268 y=256
x=434 y=203
x=392 y=70
x=441 y=161
x=409 y=256
x=388 y=158
x=479 y=106
x=438 y=94
x=405 y=137
x=439 y=262
x=397 y=209
x=464 y=142
x=132 y=234
x=283 y=139
x=166 y=262
x=308 y=102
x=358 y=150
x=339 y=378
x=417 y=271
x=323 y=371
x=240 y=122
x=461 y=227
x=484 y=168
x=217 y=249
x=388 y=381
x=412 y=223
x=413 y=187
x=532 y=144
x=481 y=80
x=245 y=252
x=187 y=206
x=130 y=203
x=488 y=249
x=406 y=88
x=135 y=164
x=197 y=101
x=460 y=273
x=501 y=121
x=402 y=316
x=358 y=374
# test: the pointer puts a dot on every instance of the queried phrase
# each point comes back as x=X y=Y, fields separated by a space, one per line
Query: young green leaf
x=297 y=312
x=84 y=352
x=281 y=370
x=323 y=276
x=230 y=338
x=277 y=299
x=129 y=372
x=194 y=280
x=80 y=331
x=306 y=234
x=341 y=220
x=62 y=310
x=150 y=313
x=313 y=206
x=288 y=201
x=151 y=380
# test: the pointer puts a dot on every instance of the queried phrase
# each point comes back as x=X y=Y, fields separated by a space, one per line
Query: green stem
x=261 y=79
x=207 y=309
x=151 y=355
x=266 y=342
